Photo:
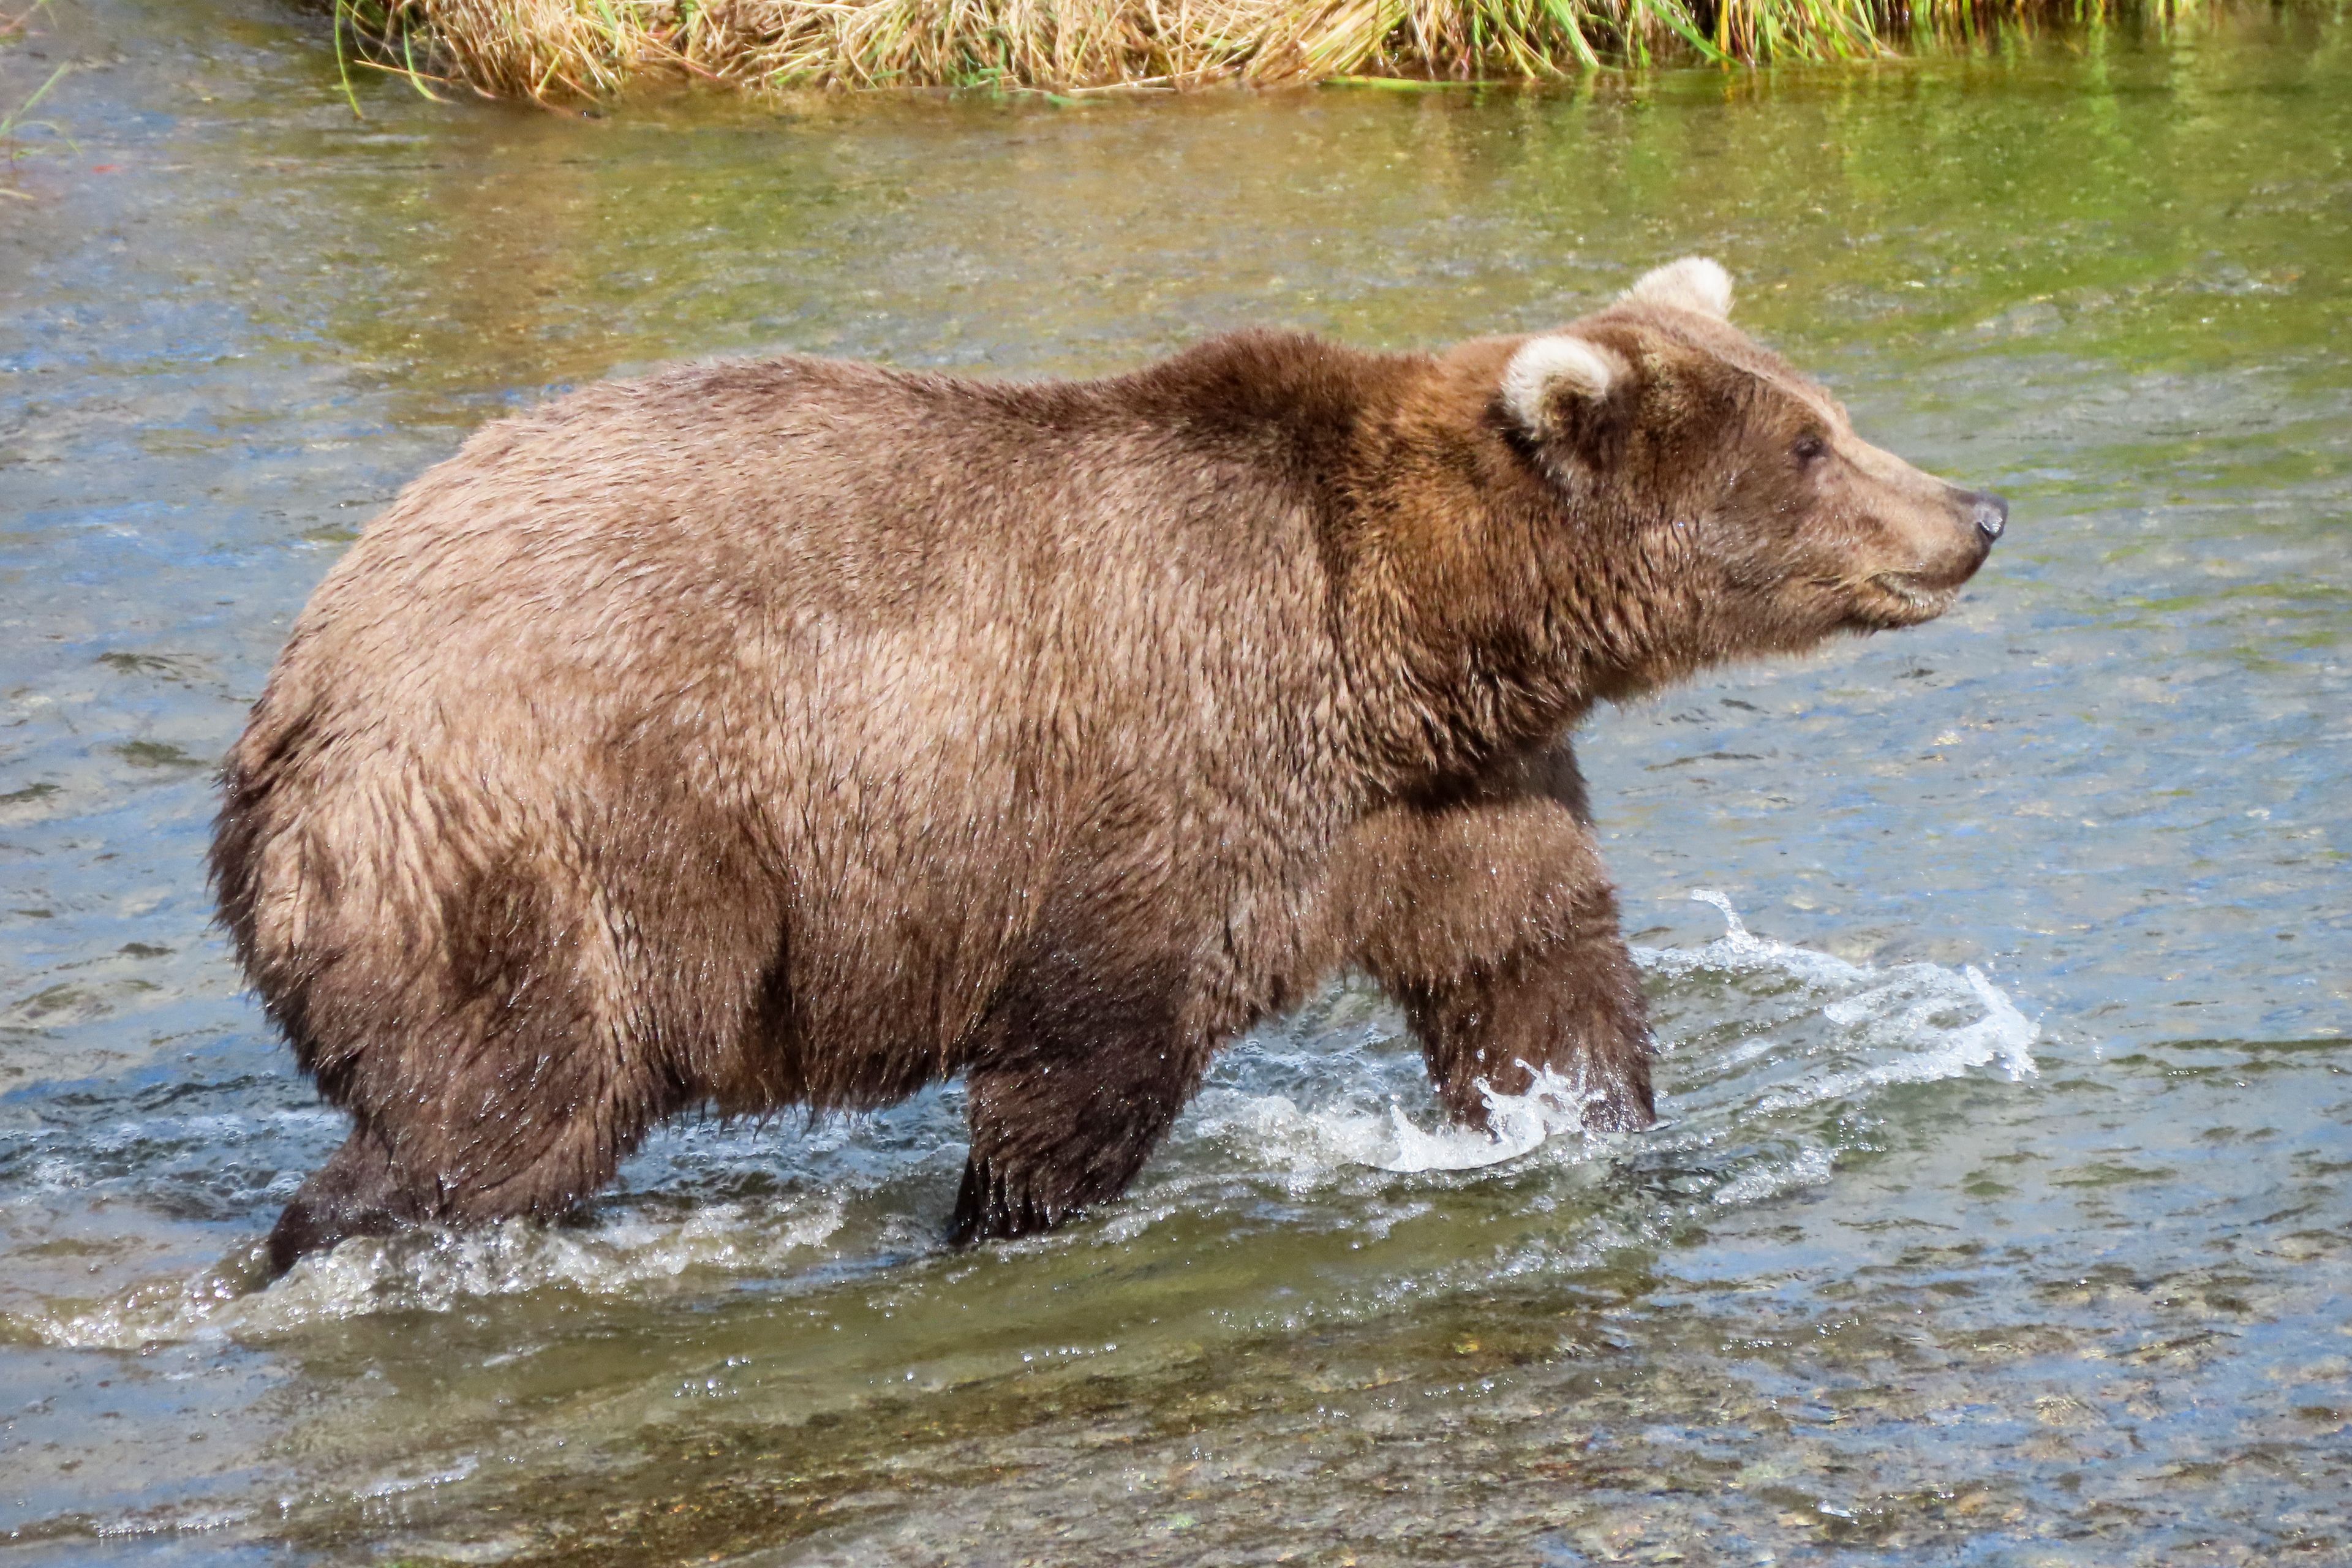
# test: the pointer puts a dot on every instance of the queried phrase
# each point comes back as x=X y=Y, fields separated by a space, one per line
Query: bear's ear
x=1548 y=372
x=1695 y=283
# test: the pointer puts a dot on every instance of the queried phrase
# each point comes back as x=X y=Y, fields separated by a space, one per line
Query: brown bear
x=799 y=733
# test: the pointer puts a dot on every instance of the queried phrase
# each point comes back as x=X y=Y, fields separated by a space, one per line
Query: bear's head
x=1722 y=498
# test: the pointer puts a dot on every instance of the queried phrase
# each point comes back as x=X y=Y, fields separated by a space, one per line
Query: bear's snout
x=1990 y=513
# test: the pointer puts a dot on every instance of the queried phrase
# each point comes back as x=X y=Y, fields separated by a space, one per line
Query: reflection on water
x=1999 y=1213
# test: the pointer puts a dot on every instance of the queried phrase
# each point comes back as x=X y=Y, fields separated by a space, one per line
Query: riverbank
x=588 y=48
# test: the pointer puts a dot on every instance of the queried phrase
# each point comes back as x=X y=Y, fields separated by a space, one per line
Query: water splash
x=1833 y=1030
x=1740 y=951
x=434 y=1270
x=1313 y=1142
x=1756 y=1027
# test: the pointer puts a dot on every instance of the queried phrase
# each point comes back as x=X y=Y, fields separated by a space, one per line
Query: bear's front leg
x=1492 y=922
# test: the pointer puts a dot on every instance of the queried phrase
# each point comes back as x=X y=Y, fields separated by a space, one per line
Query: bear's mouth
x=1903 y=599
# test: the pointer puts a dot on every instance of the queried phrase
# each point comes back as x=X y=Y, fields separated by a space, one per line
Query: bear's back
x=748 y=515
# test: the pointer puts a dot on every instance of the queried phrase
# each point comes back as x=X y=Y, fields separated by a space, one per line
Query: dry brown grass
x=573 y=48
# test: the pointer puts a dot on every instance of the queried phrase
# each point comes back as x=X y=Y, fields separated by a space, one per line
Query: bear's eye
x=1810 y=449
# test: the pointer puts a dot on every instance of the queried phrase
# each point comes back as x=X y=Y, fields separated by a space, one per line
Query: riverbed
x=2002 y=969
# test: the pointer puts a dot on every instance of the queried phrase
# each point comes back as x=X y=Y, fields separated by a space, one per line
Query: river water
x=2003 y=969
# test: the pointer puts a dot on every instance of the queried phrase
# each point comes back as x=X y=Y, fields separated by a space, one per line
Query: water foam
x=1858 y=1027
x=436 y=1270
x=1312 y=1142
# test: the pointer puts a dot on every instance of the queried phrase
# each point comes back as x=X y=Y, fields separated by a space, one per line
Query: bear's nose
x=1991 y=514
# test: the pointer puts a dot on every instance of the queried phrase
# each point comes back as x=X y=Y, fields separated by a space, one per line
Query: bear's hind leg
x=362 y=1190
x=1049 y=1141
x=358 y=1191
x=533 y=1144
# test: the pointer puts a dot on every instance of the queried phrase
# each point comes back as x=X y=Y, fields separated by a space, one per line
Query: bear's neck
x=1473 y=630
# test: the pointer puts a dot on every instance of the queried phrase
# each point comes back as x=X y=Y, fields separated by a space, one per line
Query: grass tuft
x=592 y=48
x=14 y=28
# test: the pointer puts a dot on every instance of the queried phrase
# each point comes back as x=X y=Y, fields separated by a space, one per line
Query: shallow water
x=2003 y=968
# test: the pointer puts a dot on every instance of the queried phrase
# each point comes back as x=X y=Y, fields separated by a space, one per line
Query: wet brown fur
x=799 y=733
